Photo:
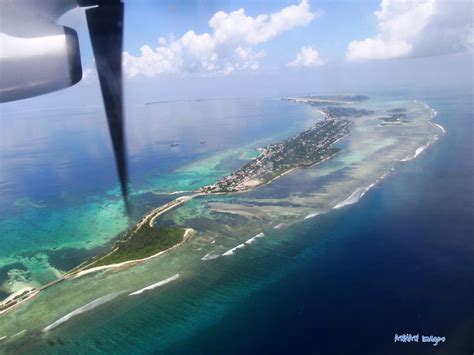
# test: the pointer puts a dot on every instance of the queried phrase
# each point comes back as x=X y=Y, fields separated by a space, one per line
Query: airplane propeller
x=105 y=23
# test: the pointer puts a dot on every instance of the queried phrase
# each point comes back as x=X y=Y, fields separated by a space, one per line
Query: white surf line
x=311 y=215
x=443 y=130
x=353 y=197
x=231 y=251
x=210 y=256
x=19 y=333
x=279 y=225
x=186 y=235
x=253 y=239
x=155 y=285
x=418 y=151
x=359 y=193
x=242 y=245
x=87 y=307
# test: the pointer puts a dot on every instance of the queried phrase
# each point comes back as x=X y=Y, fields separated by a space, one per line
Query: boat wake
x=155 y=285
x=88 y=307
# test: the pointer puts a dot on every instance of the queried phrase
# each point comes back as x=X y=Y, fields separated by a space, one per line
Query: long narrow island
x=302 y=150
x=145 y=240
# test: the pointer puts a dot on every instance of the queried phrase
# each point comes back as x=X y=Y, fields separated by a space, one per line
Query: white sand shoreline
x=188 y=232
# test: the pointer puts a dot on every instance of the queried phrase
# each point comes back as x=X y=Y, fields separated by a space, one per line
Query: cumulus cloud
x=307 y=57
x=417 y=28
x=229 y=46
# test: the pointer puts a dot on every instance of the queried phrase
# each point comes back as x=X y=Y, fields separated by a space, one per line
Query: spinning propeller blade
x=105 y=23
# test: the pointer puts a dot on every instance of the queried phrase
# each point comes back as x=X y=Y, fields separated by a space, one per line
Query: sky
x=199 y=49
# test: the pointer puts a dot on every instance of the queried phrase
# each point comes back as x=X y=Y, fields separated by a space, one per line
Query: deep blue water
x=399 y=261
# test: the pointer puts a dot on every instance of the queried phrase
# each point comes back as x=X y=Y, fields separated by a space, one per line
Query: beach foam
x=443 y=130
x=89 y=306
x=231 y=251
x=19 y=333
x=251 y=240
x=353 y=197
x=155 y=285
x=279 y=225
x=418 y=151
x=311 y=215
x=210 y=256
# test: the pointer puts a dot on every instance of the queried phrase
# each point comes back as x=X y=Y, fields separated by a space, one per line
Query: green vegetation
x=395 y=118
x=346 y=98
x=145 y=242
x=7 y=305
x=317 y=100
x=338 y=112
x=397 y=110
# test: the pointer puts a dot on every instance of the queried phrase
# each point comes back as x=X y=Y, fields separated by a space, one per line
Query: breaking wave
x=251 y=240
x=231 y=251
x=443 y=130
x=19 y=333
x=210 y=256
x=155 y=285
x=88 y=307
x=311 y=215
x=353 y=197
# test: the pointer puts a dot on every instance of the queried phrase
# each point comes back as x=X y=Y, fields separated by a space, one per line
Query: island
x=145 y=240
x=395 y=116
x=302 y=150
x=321 y=100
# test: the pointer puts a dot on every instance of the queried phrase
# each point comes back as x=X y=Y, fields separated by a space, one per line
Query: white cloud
x=417 y=28
x=307 y=57
x=228 y=47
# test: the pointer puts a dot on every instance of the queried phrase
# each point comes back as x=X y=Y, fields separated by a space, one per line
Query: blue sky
x=339 y=23
x=196 y=48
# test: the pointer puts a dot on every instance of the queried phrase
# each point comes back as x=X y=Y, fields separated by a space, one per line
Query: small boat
x=174 y=144
x=203 y=142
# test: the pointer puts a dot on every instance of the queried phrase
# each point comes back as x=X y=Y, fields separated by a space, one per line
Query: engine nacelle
x=36 y=55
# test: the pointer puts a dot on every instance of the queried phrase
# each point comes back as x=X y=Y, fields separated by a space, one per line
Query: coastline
x=75 y=273
x=187 y=234
x=151 y=218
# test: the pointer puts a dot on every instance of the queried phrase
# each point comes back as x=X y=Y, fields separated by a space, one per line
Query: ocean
x=399 y=261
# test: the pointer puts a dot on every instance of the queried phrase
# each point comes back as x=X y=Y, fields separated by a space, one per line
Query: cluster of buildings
x=304 y=149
